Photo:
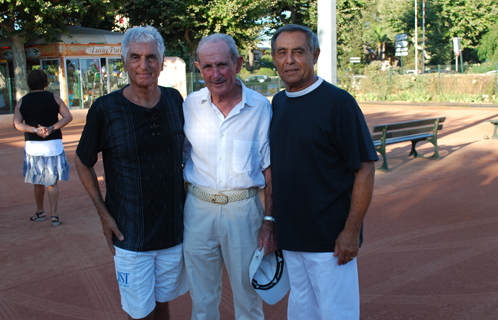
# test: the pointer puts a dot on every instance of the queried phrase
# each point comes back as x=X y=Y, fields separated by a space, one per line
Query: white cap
x=268 y=275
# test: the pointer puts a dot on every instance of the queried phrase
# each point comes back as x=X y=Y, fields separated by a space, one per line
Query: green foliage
x=466 y=88
x=488 y=47
x=23 y=19
x=183 y=23
x=284 y=12
x=445 y=19
x=266 y=61
x=304 y=12
x=266 y=72
x=244 y=73
x=349 y=24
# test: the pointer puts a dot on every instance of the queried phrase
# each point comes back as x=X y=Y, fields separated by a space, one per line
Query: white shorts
x=147 y=277
x=320 y=288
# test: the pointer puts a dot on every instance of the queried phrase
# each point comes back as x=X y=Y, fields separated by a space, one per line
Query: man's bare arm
x=348 y=241
x=91 y=185
x=267 y=232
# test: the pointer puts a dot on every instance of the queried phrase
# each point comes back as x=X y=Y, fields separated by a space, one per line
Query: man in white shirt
x=227 y=131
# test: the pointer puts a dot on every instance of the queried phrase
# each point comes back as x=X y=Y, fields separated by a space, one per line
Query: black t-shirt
x=317 y=142
x=142 y=155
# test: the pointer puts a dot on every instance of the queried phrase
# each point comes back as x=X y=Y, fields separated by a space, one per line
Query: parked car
x=492 y=71
x=257 y=78
x=411 y=72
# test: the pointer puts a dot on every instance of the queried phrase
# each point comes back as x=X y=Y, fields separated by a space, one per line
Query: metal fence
x=471 y=83
x=266 y=85
x=476 y=84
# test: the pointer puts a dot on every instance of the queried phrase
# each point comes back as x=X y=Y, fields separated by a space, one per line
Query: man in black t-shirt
x=322 y=159
x=139 y=130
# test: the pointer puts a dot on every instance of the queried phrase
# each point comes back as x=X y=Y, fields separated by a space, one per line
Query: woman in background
x=37 y=115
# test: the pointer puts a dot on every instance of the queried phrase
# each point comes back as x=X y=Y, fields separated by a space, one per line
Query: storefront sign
x=103 y=50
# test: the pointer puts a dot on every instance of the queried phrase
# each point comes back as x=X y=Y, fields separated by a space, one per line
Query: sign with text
x=103 y=50
x=354 y=60
x=401 y=44
x=457 y=46
x=401 y=37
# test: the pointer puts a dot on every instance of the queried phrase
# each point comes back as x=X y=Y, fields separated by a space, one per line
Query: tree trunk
x=20 y=73
x=191 y=61
x=251 y=60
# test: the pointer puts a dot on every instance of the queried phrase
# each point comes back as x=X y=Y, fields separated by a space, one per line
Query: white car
x=258 y=78
x=492 y=71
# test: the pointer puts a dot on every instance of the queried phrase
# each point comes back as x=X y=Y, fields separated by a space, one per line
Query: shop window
x=73 y=82
x=51 y=68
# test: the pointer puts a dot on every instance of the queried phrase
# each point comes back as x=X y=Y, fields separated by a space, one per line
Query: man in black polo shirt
x=322 y=158
x=139 y=130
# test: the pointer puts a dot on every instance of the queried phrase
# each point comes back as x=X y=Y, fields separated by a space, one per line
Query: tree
x=282 y=12
x=488 y=47
x=380 y=37
x=445 y=19
x=304 y=12
x=183 y=23
x=23 y=19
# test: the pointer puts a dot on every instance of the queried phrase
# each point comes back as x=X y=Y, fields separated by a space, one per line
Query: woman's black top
x=40 y=108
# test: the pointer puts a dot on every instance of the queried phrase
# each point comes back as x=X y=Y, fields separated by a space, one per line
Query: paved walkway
x=430 y=251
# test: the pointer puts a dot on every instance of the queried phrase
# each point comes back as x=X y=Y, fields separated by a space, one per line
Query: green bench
x=495 y=124
x=414 y=131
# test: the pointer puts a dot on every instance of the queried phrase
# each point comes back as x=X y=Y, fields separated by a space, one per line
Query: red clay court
x=430 y=250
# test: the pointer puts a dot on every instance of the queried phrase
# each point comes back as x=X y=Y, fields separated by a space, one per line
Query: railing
x=477 y=84
x=267 y=87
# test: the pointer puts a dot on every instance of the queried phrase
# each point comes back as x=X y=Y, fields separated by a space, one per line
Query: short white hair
x=145 y=34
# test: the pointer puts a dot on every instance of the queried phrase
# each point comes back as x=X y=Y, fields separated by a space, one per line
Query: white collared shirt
x=227 y=153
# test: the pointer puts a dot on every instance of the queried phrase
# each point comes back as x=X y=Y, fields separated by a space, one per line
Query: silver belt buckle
x=223 y=200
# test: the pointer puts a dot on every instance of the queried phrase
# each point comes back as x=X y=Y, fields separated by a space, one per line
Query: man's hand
x=267 y=237
x=91 y=185
x=346 y=247
x=347 y=243
x=109 y=227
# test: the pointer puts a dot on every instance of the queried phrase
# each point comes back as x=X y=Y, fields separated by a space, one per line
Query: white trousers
x=320 y=288
x=215 y=234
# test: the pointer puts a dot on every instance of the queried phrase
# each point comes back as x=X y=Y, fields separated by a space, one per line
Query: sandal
x=56 y=221
x=38 y=217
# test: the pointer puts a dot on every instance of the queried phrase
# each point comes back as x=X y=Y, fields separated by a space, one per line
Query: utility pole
x=423 y=37
x=327 y=36
x=416 y=39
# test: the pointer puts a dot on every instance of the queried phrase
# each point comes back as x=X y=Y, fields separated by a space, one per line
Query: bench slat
x=407 y=132
x=405 y=138
x=407 y=124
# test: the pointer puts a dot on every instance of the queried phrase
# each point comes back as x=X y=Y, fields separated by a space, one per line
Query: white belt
x=219 y=197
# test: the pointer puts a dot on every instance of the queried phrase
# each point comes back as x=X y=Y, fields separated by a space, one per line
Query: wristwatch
x=34 y=130
x=269 y=218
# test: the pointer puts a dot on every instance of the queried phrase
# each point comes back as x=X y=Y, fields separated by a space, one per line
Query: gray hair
x=312 y=38
x=219 y=37
x=145 y=34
